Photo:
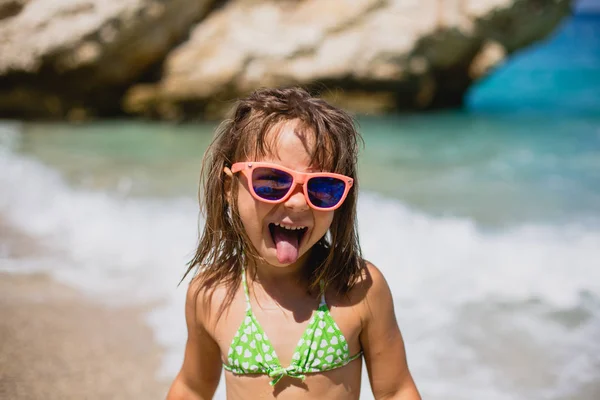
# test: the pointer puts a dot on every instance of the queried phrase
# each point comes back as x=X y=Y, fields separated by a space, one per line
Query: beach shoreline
x=59 y=344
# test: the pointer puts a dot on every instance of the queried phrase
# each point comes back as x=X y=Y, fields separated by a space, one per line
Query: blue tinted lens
x=325 y=192
x=270 y=183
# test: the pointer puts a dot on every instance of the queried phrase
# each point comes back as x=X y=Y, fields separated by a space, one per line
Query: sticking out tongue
x=287 y=243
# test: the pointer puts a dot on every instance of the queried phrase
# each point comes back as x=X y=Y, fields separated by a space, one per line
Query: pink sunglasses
x=273 y=184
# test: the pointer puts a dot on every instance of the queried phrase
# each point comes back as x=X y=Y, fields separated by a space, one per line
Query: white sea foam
x=494 y=315
x=476 y=308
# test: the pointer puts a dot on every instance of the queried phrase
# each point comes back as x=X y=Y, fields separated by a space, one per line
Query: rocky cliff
x=64 y=57
x=70 y=58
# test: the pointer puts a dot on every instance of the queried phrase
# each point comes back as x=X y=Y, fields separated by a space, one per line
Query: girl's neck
x=279 y=284
x=268 y=275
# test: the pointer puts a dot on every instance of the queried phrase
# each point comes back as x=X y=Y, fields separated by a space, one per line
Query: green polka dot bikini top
x=322 y=347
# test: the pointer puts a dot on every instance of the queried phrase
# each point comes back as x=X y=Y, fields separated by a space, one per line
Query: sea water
x=485 y=222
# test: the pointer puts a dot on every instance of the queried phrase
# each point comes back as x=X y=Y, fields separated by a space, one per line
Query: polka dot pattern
x=322 y=347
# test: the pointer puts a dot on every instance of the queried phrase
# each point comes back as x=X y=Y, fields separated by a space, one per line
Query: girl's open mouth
x=287 y=241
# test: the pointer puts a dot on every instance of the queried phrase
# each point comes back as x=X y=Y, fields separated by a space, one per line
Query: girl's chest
x=286 y=331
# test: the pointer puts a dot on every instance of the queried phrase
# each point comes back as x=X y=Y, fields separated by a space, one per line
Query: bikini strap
x=322 y=285
x=245 y=285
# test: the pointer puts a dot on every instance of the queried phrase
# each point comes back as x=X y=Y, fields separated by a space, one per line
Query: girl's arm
x=201 y=370
x=382 y=343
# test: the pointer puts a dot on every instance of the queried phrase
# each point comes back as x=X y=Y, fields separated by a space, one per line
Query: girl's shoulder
x=368 y=300
x=370 y=291
x=209 y=301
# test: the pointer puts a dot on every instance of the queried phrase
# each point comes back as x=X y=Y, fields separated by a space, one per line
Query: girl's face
x=265 y=223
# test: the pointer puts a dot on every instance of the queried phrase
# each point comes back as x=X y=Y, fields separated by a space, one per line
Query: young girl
x=282 y=299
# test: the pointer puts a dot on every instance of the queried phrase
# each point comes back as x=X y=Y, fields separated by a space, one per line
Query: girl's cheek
x=324 y=218
x=252 y=212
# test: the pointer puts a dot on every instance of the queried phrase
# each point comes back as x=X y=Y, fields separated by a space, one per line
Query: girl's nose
x=297 y=201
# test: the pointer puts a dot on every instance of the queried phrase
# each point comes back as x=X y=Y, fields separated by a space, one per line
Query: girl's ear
x=227 y=183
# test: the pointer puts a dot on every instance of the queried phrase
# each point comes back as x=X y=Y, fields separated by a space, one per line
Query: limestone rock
x=75 y=57
x=382 y=55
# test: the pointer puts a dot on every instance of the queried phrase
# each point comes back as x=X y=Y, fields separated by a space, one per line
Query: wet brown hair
x=224 y=247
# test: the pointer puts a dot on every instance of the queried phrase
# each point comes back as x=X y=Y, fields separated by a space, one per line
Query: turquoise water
x=485 y=222
x=498 y=170
x=559 y=76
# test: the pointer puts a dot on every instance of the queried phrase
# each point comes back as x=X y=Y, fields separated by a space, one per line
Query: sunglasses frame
x=298 y=178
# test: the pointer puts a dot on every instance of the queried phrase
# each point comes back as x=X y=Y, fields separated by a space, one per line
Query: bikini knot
x=278 y=373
